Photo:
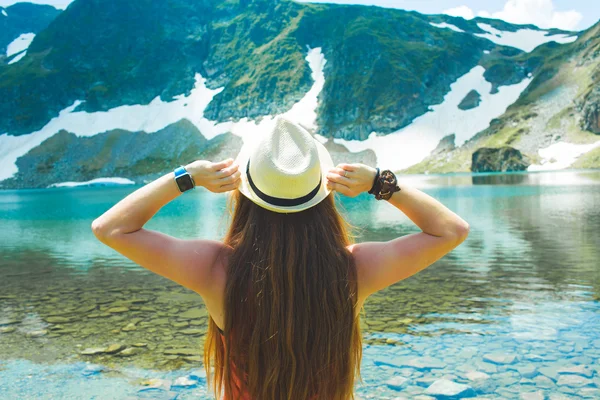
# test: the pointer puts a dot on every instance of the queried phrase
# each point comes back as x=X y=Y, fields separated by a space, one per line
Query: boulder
x=471 y=100
x=590 y=109
x=447 y=143
x=502 y=159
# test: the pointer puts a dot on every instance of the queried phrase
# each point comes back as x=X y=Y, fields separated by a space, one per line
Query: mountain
x=21 y=22
x=556 y=118
x=107 y=84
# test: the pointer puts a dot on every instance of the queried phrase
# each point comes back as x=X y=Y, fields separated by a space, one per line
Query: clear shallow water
x=518 y=301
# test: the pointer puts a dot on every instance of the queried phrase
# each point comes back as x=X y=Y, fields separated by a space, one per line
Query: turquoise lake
x=512 y=313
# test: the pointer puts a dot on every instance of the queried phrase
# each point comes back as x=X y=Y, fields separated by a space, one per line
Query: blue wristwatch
x=184 y=179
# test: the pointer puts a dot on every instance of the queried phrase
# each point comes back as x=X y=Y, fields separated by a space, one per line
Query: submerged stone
x=9 y=322
x=41 y=332
x=396 y=382
x=582 y=370
x=193 y=313
x=114 y=348
x=117 y=310
x=185 y=381
x=129 y=327
x=500 y=358
x=539 y=395
x=59 y=320
x=447 y=388
x=182 y=352
x=477 y=375
x=192 y=331
x=92 y=370
x=128 y=352
x=92 y=351
x=575 y=381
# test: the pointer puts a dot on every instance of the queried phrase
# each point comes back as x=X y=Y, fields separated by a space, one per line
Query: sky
x=564 y=14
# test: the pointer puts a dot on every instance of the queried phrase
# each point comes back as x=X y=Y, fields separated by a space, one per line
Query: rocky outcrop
x=23 y=18
x=501 y=159
x=445 y=145
x=471 y=100
x=67 y=157
x=590 y=112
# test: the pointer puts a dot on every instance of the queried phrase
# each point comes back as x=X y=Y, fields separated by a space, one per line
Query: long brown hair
x=291 y=324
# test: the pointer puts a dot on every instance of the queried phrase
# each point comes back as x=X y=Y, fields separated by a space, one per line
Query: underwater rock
x=180 y=324
x=192 y=331
x=157 y=383
x=185 y=382
x=527 y=371
x=140 y=344
x=114 y=348
x=539 y=395
x=193 y=359
x=59 y=320
x=500 y=358
x=117 y=309
x=8 y=329
x=582 y=370
x=39 y=333
x=92 y=370
x=155 y=394
x=574 y=381
x=182 y=352
x=9 y=322
x=476 y=375
x=92 y=351
x=128 y=352
x=396 y=382
x=129 y=327
x=446 y=388
x=194 y=313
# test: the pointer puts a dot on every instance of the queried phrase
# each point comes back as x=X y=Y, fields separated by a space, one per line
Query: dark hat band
x=278 y=201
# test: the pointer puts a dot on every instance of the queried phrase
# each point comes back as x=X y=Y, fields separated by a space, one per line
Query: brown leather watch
x=385 y=185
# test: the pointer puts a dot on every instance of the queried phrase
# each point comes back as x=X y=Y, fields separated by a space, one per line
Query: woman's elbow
x=461 y=231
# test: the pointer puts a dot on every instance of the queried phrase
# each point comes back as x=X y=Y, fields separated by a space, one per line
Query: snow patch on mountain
x=19 y=44
x=17 y=58
x=447 y=25
x=561 y=155
x=524 y=39
x=157 y=115
x=410 y=145
x=95 y=182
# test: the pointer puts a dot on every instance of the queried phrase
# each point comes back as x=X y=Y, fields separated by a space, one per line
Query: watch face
x=184 y=182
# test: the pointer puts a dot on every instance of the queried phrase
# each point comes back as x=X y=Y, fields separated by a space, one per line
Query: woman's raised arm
x=381 y=264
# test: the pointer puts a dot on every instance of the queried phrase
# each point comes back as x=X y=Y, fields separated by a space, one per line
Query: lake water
x=514 y=312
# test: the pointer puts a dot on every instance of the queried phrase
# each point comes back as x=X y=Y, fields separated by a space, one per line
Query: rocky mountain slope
x=19 y=22
x=556 y=120
x=132 y=89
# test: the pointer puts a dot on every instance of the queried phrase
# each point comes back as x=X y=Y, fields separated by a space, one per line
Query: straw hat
x=285 y=169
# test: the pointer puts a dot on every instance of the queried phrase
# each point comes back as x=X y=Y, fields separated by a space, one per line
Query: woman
x=285 y=287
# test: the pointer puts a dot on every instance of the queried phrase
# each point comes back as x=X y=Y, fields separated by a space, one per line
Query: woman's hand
x=218 y=177
x=351 y=179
